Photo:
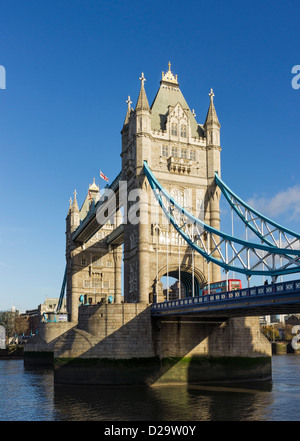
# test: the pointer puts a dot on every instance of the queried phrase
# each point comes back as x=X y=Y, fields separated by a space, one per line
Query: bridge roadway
x=277 y=298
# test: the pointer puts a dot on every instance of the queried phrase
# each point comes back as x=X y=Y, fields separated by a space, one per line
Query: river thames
x=30 y=395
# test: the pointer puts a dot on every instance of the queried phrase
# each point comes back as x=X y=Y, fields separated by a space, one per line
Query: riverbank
x=283 y=348
x=278 y=348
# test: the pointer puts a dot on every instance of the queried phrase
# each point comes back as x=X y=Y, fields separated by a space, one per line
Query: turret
x=74 y=214
x=212 y=133
x=142 y=126
x=125 y=129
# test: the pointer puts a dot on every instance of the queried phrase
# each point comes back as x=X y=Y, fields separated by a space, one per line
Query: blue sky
x=70 y=65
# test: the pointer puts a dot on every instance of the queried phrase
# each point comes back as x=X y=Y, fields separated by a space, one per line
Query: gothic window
x=184 y=153
x=174 y=152
x=174 y=129
x=193 y=155
x=165 y=151
x=83 y=262
x=183 y=131
x=181 y=196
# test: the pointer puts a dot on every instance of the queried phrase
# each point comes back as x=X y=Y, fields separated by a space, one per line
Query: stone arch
x=185 y=277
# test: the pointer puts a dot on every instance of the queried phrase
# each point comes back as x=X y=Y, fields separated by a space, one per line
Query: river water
x=30 y=395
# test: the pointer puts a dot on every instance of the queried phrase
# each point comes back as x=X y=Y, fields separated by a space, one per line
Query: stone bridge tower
x=110 y=342
x=183 y=156
x=93 y=267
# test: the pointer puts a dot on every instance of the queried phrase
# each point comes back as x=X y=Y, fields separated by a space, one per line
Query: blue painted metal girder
x=62 y=291
x=159 y=191
x=227 y=192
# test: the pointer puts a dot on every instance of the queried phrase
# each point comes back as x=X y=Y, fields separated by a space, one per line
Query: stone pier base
x=116 y=344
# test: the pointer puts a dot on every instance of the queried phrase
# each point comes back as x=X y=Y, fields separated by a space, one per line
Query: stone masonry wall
x=115 y=331
x=238 y=337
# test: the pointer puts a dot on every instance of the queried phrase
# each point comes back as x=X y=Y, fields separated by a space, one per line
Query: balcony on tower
x=179 y=165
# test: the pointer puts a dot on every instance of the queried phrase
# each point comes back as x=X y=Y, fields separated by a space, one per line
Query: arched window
x=183 y=131
x=181 y=196
x=174 y=129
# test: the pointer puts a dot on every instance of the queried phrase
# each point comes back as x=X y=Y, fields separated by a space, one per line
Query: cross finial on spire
x=128 y=102
x=75 y=193
x=211 y=94
x=169 y=64
x=142 y=79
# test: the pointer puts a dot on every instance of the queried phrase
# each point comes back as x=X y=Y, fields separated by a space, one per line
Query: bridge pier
x=124 y=344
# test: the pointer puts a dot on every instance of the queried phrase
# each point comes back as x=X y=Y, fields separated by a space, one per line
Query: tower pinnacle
x=75 y=207
x=128 y=101
x=142 y=102
x=211 y=117
x=168 y=77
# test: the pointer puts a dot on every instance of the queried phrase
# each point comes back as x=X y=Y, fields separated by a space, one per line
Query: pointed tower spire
x=75 y=207
x=70 y=206
x=142 y=102
x=75 y=214
x=128 y=110
x=211 y=117
x=212 y=134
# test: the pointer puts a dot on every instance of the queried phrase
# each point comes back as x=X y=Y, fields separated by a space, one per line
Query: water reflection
x=162 y=403
x=29 y=395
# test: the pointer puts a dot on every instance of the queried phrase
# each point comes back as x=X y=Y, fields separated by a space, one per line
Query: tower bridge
x=160 y=217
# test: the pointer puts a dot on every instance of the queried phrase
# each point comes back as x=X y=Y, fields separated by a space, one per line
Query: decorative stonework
x=179 y=165
x=168 y=77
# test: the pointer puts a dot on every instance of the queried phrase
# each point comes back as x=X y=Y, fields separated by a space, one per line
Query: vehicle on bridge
x=223 y=286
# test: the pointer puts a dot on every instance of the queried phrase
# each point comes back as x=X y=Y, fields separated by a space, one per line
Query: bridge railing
x=256 y=291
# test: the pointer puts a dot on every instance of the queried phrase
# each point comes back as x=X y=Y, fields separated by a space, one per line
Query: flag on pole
x=103 y=176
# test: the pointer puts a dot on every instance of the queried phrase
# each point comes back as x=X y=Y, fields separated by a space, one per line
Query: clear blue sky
x=70 y=65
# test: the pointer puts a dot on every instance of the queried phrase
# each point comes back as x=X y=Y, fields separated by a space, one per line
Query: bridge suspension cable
x=270 y=232
x=62 y=292
x=248 y=258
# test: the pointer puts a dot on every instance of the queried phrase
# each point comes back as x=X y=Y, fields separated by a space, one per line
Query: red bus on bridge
x=223 y=286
